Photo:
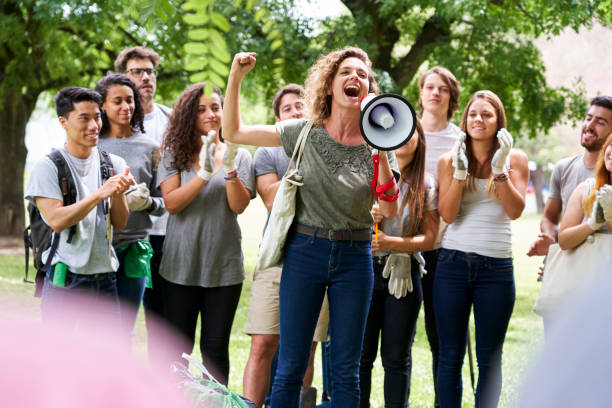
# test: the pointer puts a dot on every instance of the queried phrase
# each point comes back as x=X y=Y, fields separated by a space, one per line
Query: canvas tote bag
x=568 y=272
x=283 y=209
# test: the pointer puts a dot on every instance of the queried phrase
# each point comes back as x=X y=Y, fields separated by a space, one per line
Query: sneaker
x=308 y=398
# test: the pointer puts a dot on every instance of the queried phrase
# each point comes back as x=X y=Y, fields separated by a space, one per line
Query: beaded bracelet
x=500 y=177
x=231 y=176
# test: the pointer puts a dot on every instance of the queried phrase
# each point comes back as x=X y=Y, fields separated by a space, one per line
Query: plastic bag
x=206 y=393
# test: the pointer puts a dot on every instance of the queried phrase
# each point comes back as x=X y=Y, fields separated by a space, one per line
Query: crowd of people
x=162 y=227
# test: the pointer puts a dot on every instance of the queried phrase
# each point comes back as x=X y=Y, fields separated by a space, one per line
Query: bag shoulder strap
x=299 y=146
x=106 y=166
x=69 y=193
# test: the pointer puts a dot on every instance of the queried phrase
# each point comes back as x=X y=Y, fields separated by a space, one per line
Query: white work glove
x=460 y=161
x=207 y=156
x=397 y=269
x=228 y=158
x=596 y=219
x=498 y=163
x=605 y=200
x=139 y=199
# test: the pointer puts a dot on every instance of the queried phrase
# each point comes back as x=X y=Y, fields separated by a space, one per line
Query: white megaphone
x=387 y=121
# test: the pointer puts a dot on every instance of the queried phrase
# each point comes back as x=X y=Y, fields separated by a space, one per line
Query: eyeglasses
x=137 y=72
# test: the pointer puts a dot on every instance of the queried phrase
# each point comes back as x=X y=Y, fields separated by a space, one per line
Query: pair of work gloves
x=207 y=156
x=398 y=271
x=498 y=163
x=602 y=208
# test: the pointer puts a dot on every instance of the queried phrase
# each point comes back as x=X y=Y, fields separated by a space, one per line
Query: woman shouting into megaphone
x=329 y=244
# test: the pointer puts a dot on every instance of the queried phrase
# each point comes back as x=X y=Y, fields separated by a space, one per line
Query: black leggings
x=152 y=302
x=395 y=319
x=431 y=262
x=217 y=308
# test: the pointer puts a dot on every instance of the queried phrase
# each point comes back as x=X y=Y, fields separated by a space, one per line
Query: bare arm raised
x=233 y=129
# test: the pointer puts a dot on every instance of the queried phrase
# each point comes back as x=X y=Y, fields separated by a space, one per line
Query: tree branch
x=435 y=30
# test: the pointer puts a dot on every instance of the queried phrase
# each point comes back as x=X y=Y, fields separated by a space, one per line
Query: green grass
x=523 y=339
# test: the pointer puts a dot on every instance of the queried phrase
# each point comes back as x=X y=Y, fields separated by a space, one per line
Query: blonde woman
x=589 y=208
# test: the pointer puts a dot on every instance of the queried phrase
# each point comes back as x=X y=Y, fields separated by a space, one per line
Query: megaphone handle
x=376 y=163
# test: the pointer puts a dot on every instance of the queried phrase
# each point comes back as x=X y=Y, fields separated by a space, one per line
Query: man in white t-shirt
x=140 y=65
x=571 y=171
x=85 y=262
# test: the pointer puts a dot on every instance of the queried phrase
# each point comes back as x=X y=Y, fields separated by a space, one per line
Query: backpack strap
x=106 y=166
x=67 y=185
x=164 y=109
x=106 y=171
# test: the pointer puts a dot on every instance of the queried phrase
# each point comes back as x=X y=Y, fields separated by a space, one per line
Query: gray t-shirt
x=439 y=143
x=566 y=176
x=141 y=154
x=397 y=225
x=89 y=252
x=337 y=191
x=202 y=245
x=270 y=160
x=155 y=124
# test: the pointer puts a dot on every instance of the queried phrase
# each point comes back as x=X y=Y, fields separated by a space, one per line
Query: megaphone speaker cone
x=387 y=121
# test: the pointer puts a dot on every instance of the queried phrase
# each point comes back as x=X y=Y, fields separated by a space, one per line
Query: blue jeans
x=462 y=280
x=312 y=266
x=131 y=292
x=98 y=291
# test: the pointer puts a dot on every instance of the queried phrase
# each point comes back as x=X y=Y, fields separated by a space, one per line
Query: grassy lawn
x=523 y=339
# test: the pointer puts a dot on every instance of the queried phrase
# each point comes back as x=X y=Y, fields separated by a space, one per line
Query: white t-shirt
x=439 y=143
x=90 y=252
x=155 y=124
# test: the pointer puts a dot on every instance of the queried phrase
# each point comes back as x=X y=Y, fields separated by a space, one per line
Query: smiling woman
x=123 y=134
x=482 y=188
x=202 y=266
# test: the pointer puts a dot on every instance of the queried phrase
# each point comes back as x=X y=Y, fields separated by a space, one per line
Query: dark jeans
x=431 y=262
x=217 y=308
x=395 y=320
x=153 y=301
x=82 y=296
x=130 y=291
x=312 y=266
x=462 y=280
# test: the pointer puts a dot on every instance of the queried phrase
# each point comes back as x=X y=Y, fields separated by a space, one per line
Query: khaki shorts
x=263 y=309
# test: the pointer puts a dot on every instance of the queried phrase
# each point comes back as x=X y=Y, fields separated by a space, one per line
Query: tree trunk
x=15 y=110
x=538 y=178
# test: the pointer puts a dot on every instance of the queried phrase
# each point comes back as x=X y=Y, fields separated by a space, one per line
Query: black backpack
x=38 y=235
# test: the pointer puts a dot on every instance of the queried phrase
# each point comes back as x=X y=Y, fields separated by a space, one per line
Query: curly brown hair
x=320 y=77
x=182 y=138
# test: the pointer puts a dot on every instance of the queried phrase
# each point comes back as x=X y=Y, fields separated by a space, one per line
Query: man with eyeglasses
x=140 y=65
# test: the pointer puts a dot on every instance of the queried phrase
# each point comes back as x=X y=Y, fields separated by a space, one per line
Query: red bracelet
x=379 y=190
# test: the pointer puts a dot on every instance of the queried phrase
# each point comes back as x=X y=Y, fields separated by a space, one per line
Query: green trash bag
x=137 y=262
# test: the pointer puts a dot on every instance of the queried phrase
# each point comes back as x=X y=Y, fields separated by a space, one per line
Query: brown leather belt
x=364 y=234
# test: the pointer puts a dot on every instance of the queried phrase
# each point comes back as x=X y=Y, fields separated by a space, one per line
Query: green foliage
x=485 y=43
x=206 y=54
x=46 y=45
